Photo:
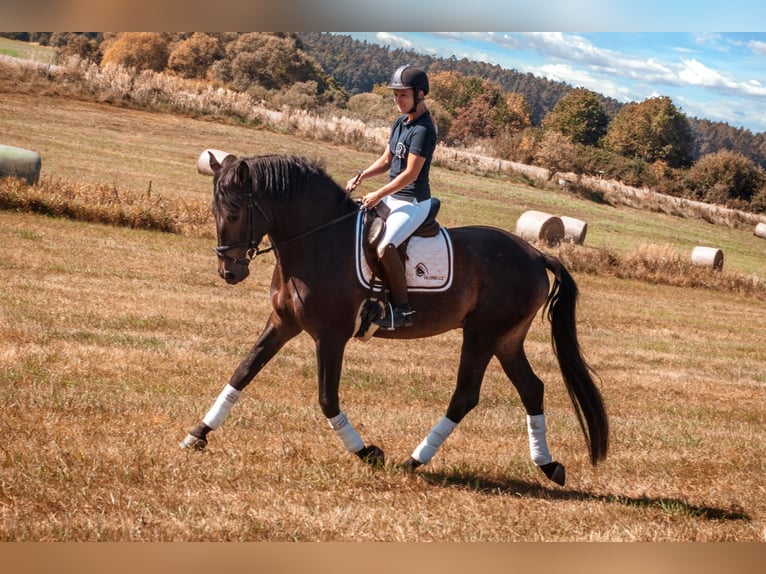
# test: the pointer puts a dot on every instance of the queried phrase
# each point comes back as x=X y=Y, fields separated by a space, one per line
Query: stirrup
x=397 y=316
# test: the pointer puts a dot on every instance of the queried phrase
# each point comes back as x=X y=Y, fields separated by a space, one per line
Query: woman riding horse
x=407 y=194
x=499 y=284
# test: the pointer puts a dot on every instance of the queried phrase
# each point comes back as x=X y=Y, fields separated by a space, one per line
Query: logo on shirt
x=401 y=150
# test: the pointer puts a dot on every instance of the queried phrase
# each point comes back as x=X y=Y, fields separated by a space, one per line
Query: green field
x=26 y=51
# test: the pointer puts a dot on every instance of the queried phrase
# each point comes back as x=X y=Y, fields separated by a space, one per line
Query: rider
x=407 y=194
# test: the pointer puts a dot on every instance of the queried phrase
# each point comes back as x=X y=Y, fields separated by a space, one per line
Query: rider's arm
x=414 y=164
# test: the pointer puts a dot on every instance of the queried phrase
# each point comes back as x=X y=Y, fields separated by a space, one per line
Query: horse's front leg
x=329 y=352
x=272 y=339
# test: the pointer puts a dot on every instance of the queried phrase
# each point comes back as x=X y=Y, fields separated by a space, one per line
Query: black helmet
x=408 y=76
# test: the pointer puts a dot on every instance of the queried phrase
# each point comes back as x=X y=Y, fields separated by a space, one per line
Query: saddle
x=375 y=224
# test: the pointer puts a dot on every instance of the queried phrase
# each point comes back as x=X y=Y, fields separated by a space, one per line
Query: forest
x=504 y=113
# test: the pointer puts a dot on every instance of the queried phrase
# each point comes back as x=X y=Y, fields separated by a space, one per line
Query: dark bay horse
x=500 y=283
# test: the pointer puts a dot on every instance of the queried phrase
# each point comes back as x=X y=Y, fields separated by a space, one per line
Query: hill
x=358 y=66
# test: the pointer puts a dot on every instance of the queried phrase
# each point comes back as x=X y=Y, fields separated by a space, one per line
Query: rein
x=252 y=244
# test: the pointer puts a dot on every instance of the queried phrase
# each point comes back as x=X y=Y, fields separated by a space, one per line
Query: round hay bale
x=19 y=162
x=203 y=161
x=540 y=226
x=708 y=257
x=760 y=230
x=574 y=229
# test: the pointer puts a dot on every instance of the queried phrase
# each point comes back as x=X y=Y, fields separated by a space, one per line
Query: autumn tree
x=477 y=108
x=556 y=152
x=273 y=62
x=138 y=50
x=193 y=57
x=653 y=130
x=579 y=116
x=725 y=176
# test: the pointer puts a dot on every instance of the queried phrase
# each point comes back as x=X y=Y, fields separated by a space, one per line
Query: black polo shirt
x=418 y=137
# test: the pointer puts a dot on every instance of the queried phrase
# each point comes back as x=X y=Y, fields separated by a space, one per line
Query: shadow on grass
x=489 y=486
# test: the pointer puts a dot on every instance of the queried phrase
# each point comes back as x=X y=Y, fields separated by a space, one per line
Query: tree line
x=514 y=116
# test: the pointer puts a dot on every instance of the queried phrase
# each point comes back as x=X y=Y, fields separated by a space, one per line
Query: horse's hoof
x=555 y=471
x=410 y=465
x=193 y=442
x=372 y=455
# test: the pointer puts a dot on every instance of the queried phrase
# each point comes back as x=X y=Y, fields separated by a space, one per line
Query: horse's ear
x=214 y=165
x=243 y=173
x=210 y=161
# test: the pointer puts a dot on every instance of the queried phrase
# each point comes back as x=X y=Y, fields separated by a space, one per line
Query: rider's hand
x=371 y=199
x=353 y=182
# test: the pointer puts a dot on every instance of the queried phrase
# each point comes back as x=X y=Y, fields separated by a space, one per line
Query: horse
x=500 y=283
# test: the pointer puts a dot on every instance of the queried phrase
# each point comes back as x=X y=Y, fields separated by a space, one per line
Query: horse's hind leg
x=474 y=359
x=531 y=390
x=273 y=338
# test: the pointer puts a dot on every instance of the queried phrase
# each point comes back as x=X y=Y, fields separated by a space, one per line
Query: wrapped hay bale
x=708 y=257
x=760 y=230
x=18 y=162
x=203 y=161
x=540 y=226
x=574 y=229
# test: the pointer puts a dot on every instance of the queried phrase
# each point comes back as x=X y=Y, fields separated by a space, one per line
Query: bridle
x=252 y=242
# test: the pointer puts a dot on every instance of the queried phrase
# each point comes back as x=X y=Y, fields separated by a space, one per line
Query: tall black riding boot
x=401 y=314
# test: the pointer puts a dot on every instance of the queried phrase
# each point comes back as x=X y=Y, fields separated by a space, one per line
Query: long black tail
x=586 y=397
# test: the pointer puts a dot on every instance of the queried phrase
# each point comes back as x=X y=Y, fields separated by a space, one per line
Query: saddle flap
x=428 y=261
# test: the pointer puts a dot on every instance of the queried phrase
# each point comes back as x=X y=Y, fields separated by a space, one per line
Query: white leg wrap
x=538 y=445
x=426 y=450
x=220 y=409
x=346 y=433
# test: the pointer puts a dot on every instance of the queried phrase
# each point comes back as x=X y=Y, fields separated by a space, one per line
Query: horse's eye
x=232 y=218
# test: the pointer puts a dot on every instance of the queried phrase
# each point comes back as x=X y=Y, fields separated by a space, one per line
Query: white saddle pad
x=428 y=266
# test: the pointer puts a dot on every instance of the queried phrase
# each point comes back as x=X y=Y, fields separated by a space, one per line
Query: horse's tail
x=586 y=397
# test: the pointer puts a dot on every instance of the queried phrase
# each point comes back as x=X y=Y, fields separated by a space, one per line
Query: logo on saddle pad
x=428 y=266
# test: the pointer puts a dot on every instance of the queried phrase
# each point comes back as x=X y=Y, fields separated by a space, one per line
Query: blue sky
x=711 y=75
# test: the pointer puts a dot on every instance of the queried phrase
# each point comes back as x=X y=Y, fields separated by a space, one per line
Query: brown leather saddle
x=374 y=224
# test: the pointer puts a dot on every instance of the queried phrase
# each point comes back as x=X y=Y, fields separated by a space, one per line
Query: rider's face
x=404 y=99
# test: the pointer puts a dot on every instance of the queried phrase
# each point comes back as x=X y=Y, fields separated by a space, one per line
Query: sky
x=708 y=75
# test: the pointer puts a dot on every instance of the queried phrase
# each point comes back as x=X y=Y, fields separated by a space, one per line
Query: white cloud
x=388 y=39
x=757 y=47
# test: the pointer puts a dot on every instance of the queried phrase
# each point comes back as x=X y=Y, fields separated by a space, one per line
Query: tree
x=138 y=50
x=650 y=131
x=556 y=152
x=725 y=176
x=579 y=116
x=83 y=45
x=479 y=108
x=193 y=57
x=273 y=62
x=519 y=115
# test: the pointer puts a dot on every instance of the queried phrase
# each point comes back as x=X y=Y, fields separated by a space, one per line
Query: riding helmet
x=408 y=76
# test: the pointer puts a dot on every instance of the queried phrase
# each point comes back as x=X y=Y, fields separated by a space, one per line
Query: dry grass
x=114 y=341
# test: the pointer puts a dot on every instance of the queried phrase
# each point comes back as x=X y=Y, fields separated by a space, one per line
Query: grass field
x=26 y=51
x=114 y=342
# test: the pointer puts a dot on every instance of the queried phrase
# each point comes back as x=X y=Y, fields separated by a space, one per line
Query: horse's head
x=241 y=221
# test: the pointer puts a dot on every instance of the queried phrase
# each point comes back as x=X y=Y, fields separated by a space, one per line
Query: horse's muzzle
x=232 y=277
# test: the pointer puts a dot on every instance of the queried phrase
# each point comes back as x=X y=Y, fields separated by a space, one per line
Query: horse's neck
x=315 y=239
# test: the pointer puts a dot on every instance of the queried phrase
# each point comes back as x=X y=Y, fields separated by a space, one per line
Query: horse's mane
x=278 y=177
